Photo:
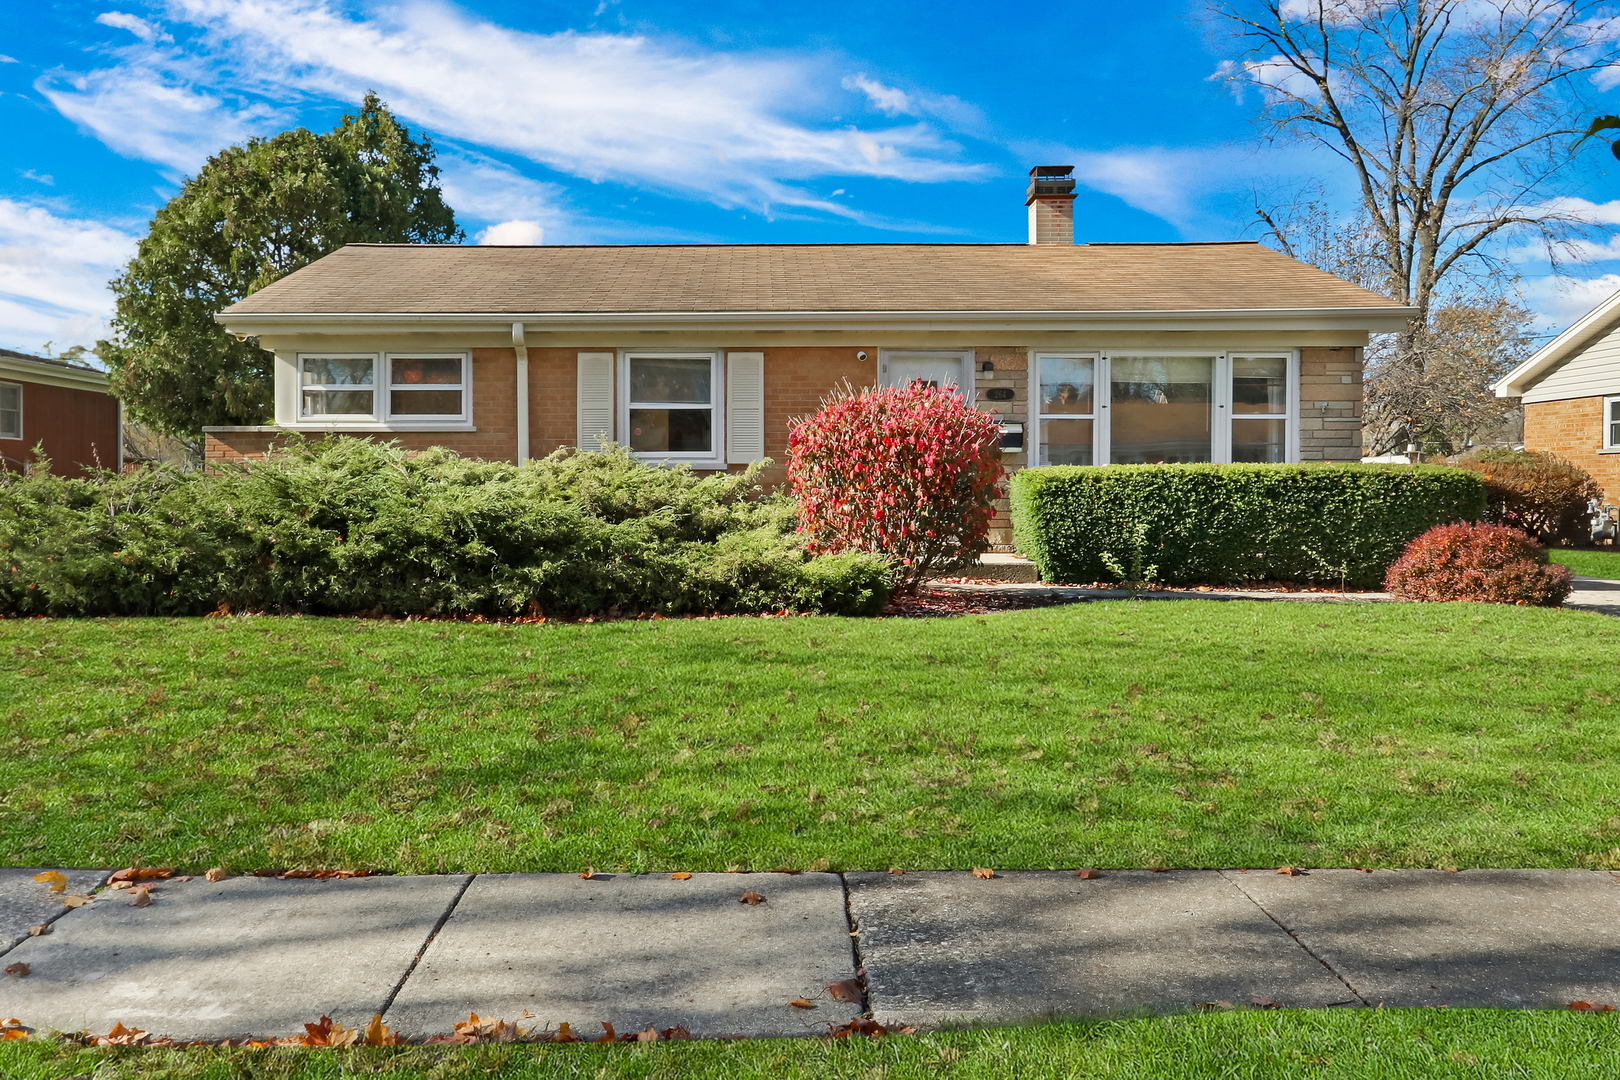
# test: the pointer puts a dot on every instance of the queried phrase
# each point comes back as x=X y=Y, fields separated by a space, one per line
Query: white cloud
x=134 y=24
x=1277 y=79
x=1155 y=180
x=722 y=127
x=482 y=189
x=516 y=233
x=885 y=99
x=53 y=276
x=39 y=178
x=1559 y=300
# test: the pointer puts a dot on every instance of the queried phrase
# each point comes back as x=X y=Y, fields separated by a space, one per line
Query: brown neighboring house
x=700 y=354
x=1570 y=391
x=61 y=407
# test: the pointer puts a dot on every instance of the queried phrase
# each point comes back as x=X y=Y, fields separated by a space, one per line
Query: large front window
x=337 y=386
x=671 y=404
x=1151 y=408
x=391 y=390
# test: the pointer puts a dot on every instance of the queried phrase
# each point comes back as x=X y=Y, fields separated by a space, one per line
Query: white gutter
x=522 y=351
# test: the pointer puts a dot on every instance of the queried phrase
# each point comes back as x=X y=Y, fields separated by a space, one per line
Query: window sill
x=700 y=464
x=1609 y=450
x=374 y=427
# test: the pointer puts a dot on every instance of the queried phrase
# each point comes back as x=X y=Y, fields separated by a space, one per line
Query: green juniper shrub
x=1488 y=564
x=1222 y=524
x=1537 y=492
x=340 y=525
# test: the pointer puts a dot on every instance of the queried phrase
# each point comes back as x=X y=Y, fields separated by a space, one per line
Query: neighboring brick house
x=60 y=407
x=1570 y=391
x=702 y=353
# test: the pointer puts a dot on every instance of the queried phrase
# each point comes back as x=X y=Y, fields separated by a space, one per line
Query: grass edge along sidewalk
x=1358 y=1044
x=1107 y=734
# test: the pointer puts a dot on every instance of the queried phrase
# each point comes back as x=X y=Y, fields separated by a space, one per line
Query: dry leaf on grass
x=39 y=931
x=983 y=872
x=1087 y=875
x=751 y=898
x=120 y=1036
x=216 y=873
x=55 y=879
x=12 y=1034
x=801 y=1003
x=680 y=875
x=18 y=969
x=1590 y=1006
x=858 y=1026
x=846 y=990
x=75 y=900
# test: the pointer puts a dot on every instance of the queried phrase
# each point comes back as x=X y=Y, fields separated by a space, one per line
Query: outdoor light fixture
x=860 y=356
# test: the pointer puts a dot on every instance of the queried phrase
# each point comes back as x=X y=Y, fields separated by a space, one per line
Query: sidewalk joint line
x=410 y=970
x=855 y=947
x=51 y=919
x=1297 y=940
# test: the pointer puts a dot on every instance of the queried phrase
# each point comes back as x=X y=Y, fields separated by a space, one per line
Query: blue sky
x=619 y=121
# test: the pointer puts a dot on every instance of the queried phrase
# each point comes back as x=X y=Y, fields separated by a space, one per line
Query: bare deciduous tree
x=1453 y=117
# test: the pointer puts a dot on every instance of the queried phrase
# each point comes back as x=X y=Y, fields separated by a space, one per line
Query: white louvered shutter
x=745 y=407
x=595 y=405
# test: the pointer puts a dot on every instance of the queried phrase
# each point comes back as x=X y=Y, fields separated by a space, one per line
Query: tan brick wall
x=1330 y=398
x=1573 y=429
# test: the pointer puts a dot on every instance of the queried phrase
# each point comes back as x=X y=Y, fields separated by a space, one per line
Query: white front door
x=936 y=369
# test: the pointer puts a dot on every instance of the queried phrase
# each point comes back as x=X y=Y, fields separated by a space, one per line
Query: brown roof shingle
x=420 y=279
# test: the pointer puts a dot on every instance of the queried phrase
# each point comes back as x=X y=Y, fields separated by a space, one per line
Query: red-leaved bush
x=907 y=472
x=1489 y=564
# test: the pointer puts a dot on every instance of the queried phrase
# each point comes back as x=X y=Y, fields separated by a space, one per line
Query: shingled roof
x=405 y=279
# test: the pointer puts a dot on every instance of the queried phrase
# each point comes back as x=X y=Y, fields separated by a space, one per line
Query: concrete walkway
x=260 y=956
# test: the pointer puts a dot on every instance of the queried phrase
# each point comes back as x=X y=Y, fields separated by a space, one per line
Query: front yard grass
x=1401 y=1044
x=1192 y=733
x=1588 y=563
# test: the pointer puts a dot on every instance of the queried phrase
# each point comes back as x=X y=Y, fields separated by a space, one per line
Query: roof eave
x=1371 y=319
x=53 y=375
x=1523 y=378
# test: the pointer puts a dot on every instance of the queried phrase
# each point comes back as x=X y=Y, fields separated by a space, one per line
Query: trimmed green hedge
x=340 y=526
x=1223 y=524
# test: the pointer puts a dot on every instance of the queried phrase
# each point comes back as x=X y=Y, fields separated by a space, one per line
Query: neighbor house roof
x=51 y=371
x=424 y=280
x=1591 y=327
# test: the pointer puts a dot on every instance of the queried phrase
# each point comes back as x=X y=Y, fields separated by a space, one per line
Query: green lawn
x=1415 y=1044
x=1114 y=735
x=1598 y=564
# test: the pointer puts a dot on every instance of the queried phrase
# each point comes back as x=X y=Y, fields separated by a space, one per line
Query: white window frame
x=377 y=369
x=715 y=458
x=1609 y=422
x=386 y=409
x=18 y=387
x=1220 y=407
x=965 y=386
x=1032 y=444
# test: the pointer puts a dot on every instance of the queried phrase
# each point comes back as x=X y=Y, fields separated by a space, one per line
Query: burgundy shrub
x=907 y=472
x=1488 y=564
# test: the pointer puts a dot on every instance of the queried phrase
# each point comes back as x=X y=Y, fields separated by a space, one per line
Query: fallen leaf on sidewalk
x=846 y=990
x=55 y=879
x=650 y=1035
x=607 y=1035
x=587 y=873
x=39 y=931
x=120 y=1036
x=751 y=898
x=140 y=898
x=676 y=1033
x=858 y=1026
x=801 y=1003
x=680 y=875
x=11 y=1034
x=1290 y=871
x=75 y=900
x=983 y=872
x=1265 y=1002
x=116 y=886
x=378 y=1034
x=1087 y=875
x=1590 y=1006
x=896 y=871
x=565 y=1034
x=326 y=1032
x=318 y=875
x=143 y=873
x=1223 y=1005
x=18 y=969
x=216 y=873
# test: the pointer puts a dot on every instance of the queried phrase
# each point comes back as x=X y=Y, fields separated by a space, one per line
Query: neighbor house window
x=1611 y=421
x=427 y=387
x=337 y=386
x=10 y=410
x=670 y=401
x=1145 y=409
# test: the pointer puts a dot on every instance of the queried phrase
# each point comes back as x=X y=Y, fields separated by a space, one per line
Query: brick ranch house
x=61 y=407
x=700 y=354
x=1570 y=391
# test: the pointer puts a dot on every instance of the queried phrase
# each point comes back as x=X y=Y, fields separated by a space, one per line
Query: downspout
x=522 y=351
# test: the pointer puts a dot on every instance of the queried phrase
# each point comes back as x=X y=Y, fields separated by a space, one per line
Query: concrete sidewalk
x=260 y=956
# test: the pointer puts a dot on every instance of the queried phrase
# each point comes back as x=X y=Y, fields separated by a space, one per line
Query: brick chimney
x=1051 y=204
